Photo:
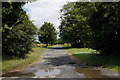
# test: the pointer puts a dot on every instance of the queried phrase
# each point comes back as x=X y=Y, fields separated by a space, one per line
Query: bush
x=17 y=32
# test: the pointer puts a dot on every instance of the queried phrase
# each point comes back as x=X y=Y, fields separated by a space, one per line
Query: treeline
x=17 y=30
x=93 y=25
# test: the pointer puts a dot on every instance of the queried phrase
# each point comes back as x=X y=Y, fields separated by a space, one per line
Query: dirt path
x=57 y=63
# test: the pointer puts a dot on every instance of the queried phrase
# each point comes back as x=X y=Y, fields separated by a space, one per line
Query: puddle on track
x=16 y=74
x=90 y=73
x=47 y=72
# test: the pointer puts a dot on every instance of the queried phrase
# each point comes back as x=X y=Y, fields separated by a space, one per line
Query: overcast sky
x=45 y=11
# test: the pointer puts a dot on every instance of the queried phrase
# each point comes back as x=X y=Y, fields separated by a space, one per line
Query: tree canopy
x=94 y=25
x=105 y=23
x=47 y=33
x=17 y=30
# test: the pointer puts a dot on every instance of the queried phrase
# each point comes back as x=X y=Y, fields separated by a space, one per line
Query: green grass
x=92 y=57
x=51 y=46
x=19 y=63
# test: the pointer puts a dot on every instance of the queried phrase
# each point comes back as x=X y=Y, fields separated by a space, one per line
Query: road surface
x=56 y=63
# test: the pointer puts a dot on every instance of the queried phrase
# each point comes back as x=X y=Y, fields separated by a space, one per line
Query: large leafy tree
x=17 y=30
x=74 y=26
x=95 y=25
x=47 y=33
x=105 y=23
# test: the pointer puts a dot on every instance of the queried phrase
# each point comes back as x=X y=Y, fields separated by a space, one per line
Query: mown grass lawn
x=33 y=56
x=92 y=57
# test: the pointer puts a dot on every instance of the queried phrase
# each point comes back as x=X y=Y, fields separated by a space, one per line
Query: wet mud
x=91 y=73
x=16 y=74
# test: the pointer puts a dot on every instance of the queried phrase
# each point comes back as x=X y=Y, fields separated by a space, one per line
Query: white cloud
x=45 y=11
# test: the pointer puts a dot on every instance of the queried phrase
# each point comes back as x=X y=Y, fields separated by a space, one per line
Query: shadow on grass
x=93 y=58
x=99 y=60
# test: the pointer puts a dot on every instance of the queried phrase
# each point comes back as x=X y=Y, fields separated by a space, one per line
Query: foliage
x=17 y=30
x=47 y=33
x=106 y=28
x=74 y=26
x=94 y=25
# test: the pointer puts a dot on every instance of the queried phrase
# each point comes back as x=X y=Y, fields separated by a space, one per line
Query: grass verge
x=19 y=63
x=51 y=46
x=92 y=57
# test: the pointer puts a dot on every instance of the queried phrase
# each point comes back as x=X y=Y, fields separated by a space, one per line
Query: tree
x=105 y=23
x=17 y=30
x=74 y=26
x=47 y=33
x=96 y=25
